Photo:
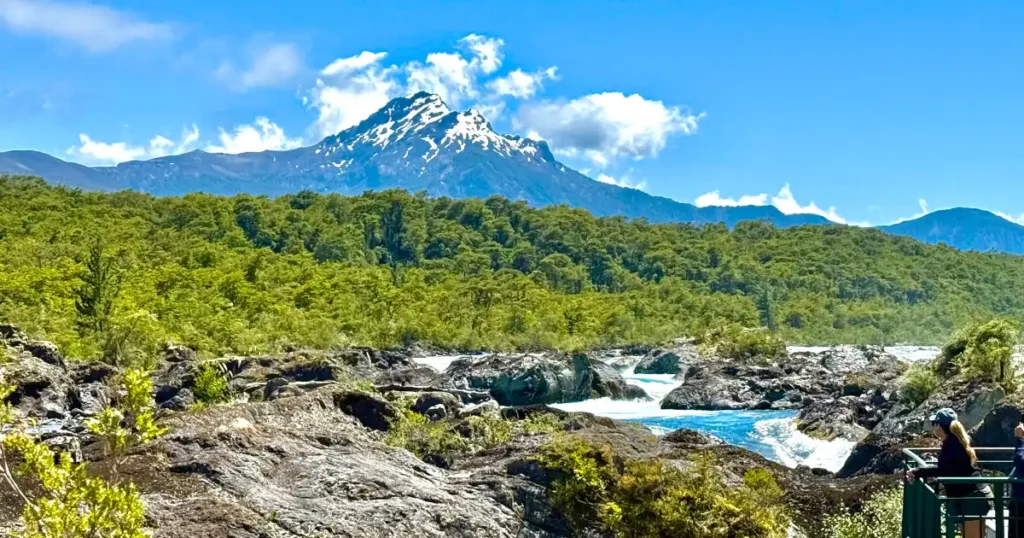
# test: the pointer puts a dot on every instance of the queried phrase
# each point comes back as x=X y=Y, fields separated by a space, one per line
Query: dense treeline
x=120 y=273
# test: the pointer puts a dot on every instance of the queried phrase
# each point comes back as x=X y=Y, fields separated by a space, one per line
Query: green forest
x=121 y=274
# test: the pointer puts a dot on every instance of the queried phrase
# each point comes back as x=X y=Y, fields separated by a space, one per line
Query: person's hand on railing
x=909 y=476
x=1018 y=432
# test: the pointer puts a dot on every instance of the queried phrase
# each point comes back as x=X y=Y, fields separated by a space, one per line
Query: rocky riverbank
x=301 y=449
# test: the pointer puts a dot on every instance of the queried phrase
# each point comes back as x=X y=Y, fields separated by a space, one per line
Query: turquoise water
x=772 y=434
x=738 y=428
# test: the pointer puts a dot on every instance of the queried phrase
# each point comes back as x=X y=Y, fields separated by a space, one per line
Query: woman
x=968 y=502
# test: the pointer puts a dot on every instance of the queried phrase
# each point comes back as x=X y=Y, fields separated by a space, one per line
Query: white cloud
x=91 y=151
x=446 y=74
x=714 y=199
x=453 y=76
x=520 y=84
x=263 y=135
x=358 y=87
x=1019 y=219
x=487 y=55
x=491 y=111
x=354 y=63
x=604 y=126
x=923 y=204
x=623 y=181
x=270 y=66
x=784 y=201
x=94 y=28
x=105 y=153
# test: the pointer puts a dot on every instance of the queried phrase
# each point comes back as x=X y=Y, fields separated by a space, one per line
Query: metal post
x=999 y=506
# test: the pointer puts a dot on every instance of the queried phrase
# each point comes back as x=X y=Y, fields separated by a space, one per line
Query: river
x=772 y=434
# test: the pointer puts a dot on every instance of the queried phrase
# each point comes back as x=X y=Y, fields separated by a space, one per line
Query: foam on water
x=792 y=448
x=442 y=362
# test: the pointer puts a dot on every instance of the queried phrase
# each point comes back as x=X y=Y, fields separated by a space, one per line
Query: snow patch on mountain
x=425 y=126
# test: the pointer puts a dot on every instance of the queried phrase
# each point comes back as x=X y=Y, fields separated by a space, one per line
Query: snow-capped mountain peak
x=423 y=125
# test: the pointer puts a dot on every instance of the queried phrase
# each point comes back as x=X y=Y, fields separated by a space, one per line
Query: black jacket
x=1017 y=490
x=954 y=461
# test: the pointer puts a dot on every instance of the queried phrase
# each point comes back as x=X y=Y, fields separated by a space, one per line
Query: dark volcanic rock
x=659 y=361
x=427 y=400
x=881 y=451
x=996 y=429
x=832 y=418
x=41 y=389
x=17 y=341
x=705 y=388
x=303 y=467
x=608 y=382
x=800 y=380
x=691 y=437
x=371 y=412
x=525 y=379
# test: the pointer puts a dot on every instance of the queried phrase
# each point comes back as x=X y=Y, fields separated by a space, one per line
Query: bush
x=415 y=433
x=651 y=499
x=983 y=351
x=71 y=503
x=735 y=342
x=211 y=385
x=132 y=422
x=542 y=423
x=881 y=517
x=919 y=383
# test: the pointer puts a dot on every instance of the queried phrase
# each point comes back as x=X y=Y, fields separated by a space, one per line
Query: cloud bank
x=91 y=27
x=95 y=152
x=784 y=201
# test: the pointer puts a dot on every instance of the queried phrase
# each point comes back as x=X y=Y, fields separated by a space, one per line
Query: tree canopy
x=121 y=273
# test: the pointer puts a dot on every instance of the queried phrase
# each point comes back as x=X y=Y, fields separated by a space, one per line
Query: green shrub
x=652 y=499
x=881 y=517
x=69 y=502
x=919 y=383
x=735 y=342
x=132 y=422
x=542 y=423
x=211 y=384
x=587 y=472
x=982 y=351
x=415 y=433
x=489 y=431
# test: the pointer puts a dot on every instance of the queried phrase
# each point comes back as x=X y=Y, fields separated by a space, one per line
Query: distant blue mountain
x=414 y=143
x=965 y=229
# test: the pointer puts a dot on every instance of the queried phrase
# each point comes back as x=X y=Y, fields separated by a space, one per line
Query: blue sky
x=872 y=110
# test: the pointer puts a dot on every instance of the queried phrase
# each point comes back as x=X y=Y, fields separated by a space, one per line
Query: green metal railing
x=929 y=513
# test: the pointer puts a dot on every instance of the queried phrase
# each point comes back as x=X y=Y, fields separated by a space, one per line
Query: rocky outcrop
x=525 y=379
x=663 y=361
x=539 y=378
x=608 y=382
x=834 y=418
x=803 y=379
x=305 y=456
x=904 y=427
x=302 y=467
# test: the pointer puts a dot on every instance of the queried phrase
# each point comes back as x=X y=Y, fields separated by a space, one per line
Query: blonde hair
x=957 y=429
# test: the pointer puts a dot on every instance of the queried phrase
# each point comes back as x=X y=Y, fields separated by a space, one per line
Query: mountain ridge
x=418 y=143
x=413 y=143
